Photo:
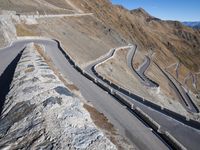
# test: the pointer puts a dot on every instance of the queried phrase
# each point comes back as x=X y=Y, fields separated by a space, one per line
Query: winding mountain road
x=103 y=58
x=182 y=94
x=187 y=135
x=128 y=124
x=187 y=78
x=140 y=72
x=55 y=16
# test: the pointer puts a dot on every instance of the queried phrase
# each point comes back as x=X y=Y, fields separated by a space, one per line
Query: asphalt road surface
x=187 y=135
x=182 y=94
x=141 y=70
x=128 y=125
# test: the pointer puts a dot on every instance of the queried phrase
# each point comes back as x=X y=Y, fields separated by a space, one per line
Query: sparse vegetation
x=29 y=70
x=22 y=30
x=48 y=60
x=102 y=122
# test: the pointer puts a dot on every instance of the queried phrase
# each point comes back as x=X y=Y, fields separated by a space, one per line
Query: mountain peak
x=140 y=11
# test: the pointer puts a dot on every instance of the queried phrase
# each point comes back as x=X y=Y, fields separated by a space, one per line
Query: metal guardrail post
x=132 y=106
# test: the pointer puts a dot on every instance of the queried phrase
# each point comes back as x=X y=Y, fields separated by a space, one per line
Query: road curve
x=128 y=125
x=181 y=92
x=185 y=134
x=104 y=58
x=140 y=72
x=188 y=77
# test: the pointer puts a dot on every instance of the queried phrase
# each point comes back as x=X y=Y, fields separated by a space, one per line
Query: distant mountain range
x=195 y=25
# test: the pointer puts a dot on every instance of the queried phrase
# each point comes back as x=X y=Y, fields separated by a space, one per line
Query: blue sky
x=182 y=10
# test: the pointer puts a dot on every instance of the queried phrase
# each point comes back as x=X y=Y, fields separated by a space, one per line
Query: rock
x=52 y=101
x=21 y=110
x=46 y=145
x=63 y=90
x=7 y=29
x=41 y=113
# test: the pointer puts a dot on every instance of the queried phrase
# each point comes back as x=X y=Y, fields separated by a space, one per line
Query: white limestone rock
x=41 y=113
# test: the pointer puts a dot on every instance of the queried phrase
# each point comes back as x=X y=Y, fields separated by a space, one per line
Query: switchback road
x=128 y=125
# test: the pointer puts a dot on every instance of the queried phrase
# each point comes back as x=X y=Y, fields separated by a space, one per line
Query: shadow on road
x=6 y=79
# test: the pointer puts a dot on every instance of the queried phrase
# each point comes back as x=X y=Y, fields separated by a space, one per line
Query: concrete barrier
x=192 y=123
x=152 y=105
x=174 y=143
x=153 y=124
x=132 y=106
x=122 y=100
x=78 y=68
x=93 y=79
x=187 y=118
x=89 y=76
x=165 y=135
x=114 y=86
x=103 y=86
x=111 y=91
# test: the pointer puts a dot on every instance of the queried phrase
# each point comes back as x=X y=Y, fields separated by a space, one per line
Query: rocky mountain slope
x=7 y=29
x=33 y=6
x=170 y=41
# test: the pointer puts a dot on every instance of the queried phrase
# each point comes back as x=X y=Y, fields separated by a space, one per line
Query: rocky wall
x=41 y=113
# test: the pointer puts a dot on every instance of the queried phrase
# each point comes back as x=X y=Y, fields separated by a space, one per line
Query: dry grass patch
x=29 y=70
x=72 y=87
x=24 y=30
x=42 y=53
x=102 y=122
x=48 y=60
x=99 y=119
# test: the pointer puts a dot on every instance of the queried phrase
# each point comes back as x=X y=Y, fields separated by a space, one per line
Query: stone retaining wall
x=41 y=113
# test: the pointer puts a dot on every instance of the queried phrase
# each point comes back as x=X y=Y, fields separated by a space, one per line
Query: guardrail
x=147 y=119
x=170 y=139
x=153 y=124
x=152 y=105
